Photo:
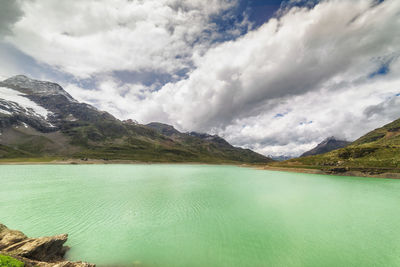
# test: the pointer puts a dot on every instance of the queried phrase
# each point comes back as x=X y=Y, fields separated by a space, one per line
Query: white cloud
x=288 y=57
x=346 y=112
x=315 y=61
x=88 y=37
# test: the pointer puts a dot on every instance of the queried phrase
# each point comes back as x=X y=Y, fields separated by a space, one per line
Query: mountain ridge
x=40 y=119
x=327 y=145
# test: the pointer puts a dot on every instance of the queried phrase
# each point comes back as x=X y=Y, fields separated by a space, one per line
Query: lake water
x=199 y=215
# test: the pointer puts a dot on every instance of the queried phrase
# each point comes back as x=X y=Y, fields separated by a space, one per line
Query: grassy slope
x=114 y=140
x=6 y=261
x=377 y=151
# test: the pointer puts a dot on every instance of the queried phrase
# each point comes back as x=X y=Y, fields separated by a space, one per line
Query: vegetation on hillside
x=7 y=261
x=377 y=151
x=115 y=140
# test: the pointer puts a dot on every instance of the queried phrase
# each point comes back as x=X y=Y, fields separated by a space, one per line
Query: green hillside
x=116 y=140
x=376 y=152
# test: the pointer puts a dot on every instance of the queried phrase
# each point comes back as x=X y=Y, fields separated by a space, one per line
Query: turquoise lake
x=203 y=215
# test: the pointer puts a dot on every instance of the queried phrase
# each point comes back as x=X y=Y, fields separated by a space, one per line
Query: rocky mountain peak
x=328 y=144
x=18 y=78
x=163 y=128
x=328 y=140
x=209 y=137
x=30 y=86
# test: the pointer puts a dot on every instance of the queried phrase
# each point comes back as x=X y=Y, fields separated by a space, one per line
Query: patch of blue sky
x=384 y=65
x=27 y=65
x=382 y=70
x=281 y=114
x=305 y=122
x=259 y=11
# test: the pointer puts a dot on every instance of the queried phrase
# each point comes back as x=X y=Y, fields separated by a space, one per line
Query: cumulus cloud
x=303 y=121
x=84 y=38
x=315 y=62
x=313 y=65
x=335 y=41
x=327 y=68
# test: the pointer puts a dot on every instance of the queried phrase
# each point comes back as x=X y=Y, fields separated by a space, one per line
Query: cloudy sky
x=274 y=76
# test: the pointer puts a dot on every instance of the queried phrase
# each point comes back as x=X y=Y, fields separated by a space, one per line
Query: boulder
x=42 y=251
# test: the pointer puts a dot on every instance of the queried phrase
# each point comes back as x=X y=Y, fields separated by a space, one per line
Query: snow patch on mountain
x=17 y=100
x=5 y=112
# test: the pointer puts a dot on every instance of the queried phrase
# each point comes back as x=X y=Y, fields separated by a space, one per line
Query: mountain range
x=39 y=119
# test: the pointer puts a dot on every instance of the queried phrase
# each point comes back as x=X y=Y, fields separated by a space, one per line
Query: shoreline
x=386 y=175
x=111 y=162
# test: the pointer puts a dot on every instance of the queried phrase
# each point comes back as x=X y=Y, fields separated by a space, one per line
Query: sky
x=277 y=77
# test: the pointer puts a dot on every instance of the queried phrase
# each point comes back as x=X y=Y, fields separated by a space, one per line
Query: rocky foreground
x=42 y=251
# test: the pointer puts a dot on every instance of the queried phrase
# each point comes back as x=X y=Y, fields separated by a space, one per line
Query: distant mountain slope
x=329 y=144
x=209 y=144
x=40 y=119
x=376 y=152
x=164 y=129
x=280 y=158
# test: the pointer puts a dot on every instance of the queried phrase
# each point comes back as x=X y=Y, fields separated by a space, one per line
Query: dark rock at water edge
x=42 y=251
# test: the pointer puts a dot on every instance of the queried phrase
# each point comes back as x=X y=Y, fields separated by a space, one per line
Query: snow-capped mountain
x=17 y=104
x=42 y=105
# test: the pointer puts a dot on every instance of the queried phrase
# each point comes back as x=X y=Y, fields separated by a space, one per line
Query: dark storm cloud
x=10 y=12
